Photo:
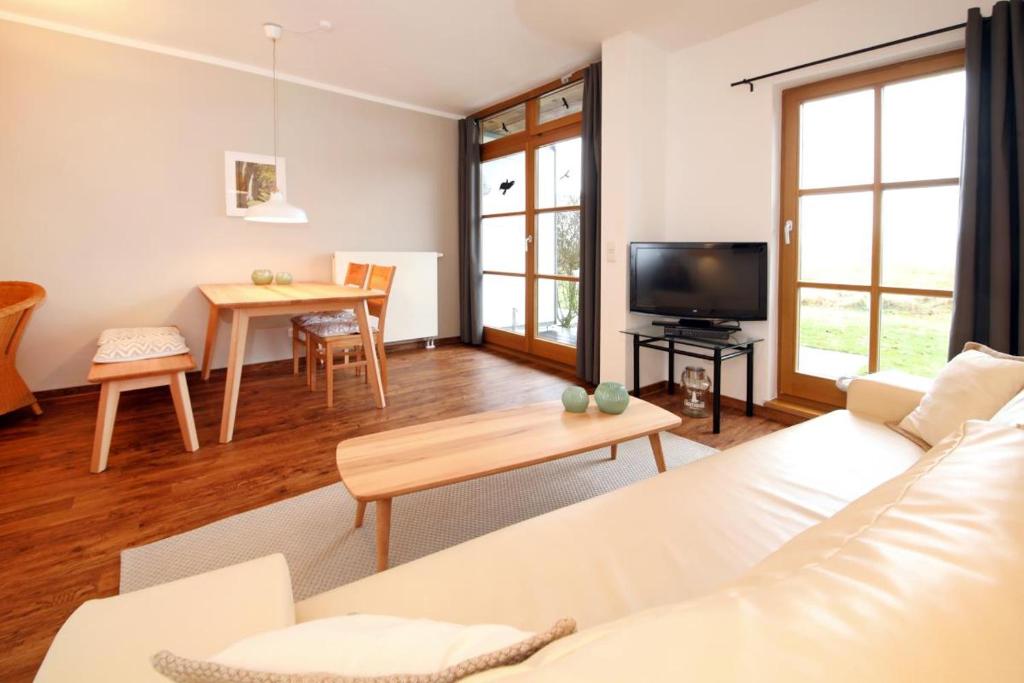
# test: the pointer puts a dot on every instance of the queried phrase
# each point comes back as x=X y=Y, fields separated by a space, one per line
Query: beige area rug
x=314 y=530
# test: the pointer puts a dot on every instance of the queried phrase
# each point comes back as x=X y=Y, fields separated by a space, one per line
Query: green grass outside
x=915 y=342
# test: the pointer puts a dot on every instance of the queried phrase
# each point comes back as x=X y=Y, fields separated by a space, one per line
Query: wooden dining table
x=247 y=301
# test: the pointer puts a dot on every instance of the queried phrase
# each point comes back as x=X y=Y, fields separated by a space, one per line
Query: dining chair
x=327 y=338
x=17 y=301
x=355 y=276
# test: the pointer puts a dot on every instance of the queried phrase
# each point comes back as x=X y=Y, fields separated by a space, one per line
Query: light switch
x=611 y=255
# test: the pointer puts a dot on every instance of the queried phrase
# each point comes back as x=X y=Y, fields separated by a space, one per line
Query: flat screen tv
x=711 y=280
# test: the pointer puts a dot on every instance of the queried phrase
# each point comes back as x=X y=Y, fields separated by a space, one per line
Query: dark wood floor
x=62 y=528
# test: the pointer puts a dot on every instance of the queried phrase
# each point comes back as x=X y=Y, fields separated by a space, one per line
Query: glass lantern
x=695 y=390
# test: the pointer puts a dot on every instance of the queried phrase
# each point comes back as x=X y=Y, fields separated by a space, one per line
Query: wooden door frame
x=792 y=385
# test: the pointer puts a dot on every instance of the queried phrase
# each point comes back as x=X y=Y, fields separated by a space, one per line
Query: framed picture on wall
x=249 y=179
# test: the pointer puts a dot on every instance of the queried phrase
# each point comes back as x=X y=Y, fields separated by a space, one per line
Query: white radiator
x=412 y=310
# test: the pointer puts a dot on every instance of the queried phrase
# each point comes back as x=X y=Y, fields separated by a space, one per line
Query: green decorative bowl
x=611 y=397
x=575 y=400
x=283 y=278
x=262 y=276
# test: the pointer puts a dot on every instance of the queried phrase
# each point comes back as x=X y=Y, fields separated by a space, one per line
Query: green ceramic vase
x=283 y=278
x=575 y=399
x=262 y=276
x=611 y=397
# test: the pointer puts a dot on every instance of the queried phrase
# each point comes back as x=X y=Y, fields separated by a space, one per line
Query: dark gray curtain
x=988 y=304
x=588 y=333
x=470 y=278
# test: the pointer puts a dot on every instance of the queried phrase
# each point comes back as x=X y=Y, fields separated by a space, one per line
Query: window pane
x=837 y=140
x=558 y=174
x=558 y=309
x=504 y=303
x=502 y=184
x=503 y=244
x=561 y=102
x=922 y=128
x=915 y=333
x=835 y=238
x=919 y=237
x=833 y=333
x=558 y=243
x=512 y=120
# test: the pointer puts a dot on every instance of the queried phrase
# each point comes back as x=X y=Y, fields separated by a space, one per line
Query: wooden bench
x=115 y=378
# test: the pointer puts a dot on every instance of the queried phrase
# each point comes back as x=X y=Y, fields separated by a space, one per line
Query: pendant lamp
x=276 y=209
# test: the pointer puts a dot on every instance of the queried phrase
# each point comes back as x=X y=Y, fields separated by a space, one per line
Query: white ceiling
x=451 y=56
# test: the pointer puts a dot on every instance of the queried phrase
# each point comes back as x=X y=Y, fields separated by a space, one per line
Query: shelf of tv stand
x=738 y=344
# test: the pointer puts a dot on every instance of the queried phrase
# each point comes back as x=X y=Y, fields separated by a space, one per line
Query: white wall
x=112 y=186
x=721 y=144
x=632 y=190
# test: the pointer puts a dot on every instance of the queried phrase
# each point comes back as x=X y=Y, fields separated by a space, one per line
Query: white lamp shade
x=275 y=210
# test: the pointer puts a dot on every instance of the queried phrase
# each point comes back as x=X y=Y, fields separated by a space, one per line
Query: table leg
x=659 y=456
x=636 y=365
x=360 y=512
x=110 y=392
x=383 y=532
x=211 y=339
x=236 y=357
x=671 y=367
x=615 y=450
x=716 y=418
x=183 y=409
x=750 y=380
x=370 y=353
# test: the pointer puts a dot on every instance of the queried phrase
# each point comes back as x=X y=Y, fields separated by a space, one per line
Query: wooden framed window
x=870 y=215
x=530 y=182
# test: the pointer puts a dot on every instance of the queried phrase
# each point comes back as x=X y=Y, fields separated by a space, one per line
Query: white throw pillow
x=1012 y=413
x=364 y=646
x=972 y=386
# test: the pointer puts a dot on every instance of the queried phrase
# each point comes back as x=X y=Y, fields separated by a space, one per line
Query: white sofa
x=650 y=548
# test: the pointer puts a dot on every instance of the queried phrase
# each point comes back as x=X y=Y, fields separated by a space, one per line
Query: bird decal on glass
x=506 y=186
x=565 y=103
x=565 y=176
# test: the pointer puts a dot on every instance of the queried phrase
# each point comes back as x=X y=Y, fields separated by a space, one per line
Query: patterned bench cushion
x=124 y=344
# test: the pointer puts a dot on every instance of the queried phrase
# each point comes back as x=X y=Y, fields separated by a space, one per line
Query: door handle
x=787 y=232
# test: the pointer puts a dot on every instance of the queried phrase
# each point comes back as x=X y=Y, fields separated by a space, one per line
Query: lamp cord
x=274 y=77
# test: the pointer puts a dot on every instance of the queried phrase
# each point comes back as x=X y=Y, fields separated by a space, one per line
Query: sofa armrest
x=887 y=396
x=112 y=639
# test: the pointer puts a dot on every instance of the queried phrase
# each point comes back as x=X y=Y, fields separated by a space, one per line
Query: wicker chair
x=17 y=300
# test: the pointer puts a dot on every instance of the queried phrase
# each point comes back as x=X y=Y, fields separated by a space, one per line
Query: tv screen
x=726 y=280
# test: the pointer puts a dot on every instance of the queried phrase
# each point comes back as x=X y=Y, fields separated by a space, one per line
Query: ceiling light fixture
x=276 y=209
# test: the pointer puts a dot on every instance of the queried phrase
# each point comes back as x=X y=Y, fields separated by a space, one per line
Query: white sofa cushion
x=973 y=386
x=1012 y=413
x=671 y=537
x=112 y=639
x=920 y=580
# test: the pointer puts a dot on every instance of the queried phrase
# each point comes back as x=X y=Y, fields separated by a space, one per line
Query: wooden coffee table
x=378 y=467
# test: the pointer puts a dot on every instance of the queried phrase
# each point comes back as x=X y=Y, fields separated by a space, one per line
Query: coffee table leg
x=383 y=532
x=615 y=450
x=659 y=457
x=360 y=511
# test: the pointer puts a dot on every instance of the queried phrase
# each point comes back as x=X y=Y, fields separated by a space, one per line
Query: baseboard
x=393 y=347
x=767 y=411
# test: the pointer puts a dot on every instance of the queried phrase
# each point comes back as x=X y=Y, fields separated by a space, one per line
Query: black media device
x=706 y=287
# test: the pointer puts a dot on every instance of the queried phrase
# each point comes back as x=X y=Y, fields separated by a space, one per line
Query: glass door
x=530 y=224
x=870 y=213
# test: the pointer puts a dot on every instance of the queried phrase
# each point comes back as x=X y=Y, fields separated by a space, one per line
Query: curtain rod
x=750 y=81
